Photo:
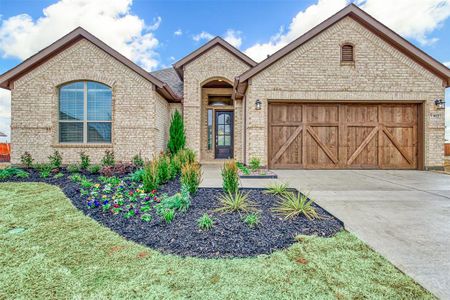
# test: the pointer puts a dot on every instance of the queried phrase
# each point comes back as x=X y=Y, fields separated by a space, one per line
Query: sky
x=155 y=34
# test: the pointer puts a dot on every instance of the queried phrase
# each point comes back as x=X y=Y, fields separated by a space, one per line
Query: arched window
x=347 y=53
x=85 y=112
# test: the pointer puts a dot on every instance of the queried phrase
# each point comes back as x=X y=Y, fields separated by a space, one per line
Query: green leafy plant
x=85 y=161
x=129 y=214
x=255 y=163
x=252 y=220
x=191 y=176
x=137 y=175
x=44 y=173
x=94 y=169
x=10 y=172
x=58 y=175
x=150 y=179
x=205 y=222
x=175 y=166
x=294 y=204
x=86 y=183
x=44 y=169
x=146 y=218
x=26 y=159
x=177 y=137
x=138 y=161
x=113 y=180
x=163 y=168
x=230 y=177
x=276 y=189
x=73 y=168
x=55 y=159
x=21 y=174
x=75 y=178
x=233 y=202
x=168 y=215
x=180 y=201
x=108 y=159
x=243 y=168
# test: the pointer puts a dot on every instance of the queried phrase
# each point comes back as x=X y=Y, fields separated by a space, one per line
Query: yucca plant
x=232 y=202
x=276 y=189
x=191 y=176
x=230 y=177
x=295 y=204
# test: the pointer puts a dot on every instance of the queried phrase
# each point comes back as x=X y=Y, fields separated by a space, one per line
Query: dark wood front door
x=343 y=136
x=224 y=134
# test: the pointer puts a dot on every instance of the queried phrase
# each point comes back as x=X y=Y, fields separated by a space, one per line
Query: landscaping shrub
x=255 y=163
x=186 y=156
x=110 y=180
x=26 y=159
x=58 y=175
x=137 y=175
x=276 y=189
x=230 y=177
x=150 y=179
x=252 y=220
x=294 y=204
x=168 y=215
x=44 y=169
x=85 y=161
x=243 y=168
x=138 y=161
x=175 y=166
x=163 y=168
x=108 y=159
x=232 y=202
x=55 y=159
x=180 y=201
x=191 y=176
x=73 y=168
x=94 y=169
x=205 y=222
x=177 y=138
x=117 y=169
x=76 y=178
x=10 y=172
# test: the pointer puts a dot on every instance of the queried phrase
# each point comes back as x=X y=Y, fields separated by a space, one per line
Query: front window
x=85 y=113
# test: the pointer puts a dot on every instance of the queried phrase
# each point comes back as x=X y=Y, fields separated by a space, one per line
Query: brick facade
x=313 y=71
x=140 y=115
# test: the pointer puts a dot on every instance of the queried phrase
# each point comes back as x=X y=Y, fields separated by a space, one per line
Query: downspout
x=244 y=146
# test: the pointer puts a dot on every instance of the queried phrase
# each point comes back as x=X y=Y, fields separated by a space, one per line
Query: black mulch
x=230 y=236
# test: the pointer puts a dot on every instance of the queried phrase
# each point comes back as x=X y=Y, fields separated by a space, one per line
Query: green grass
x=64 y=254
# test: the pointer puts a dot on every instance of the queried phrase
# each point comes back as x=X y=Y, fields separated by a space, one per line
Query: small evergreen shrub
x=73 y=168
x=94 y=169
x=177 y=137
x=191 y=176
x=230 y=177
x=138 y=161
x=255 y=163
x=85 y=161
x=175 y=166
x=186 y=156
x=26 y=159
x=163 y=168
x=150 y=179
x=55 y=159
x=205 y=222
x=108 y=159
x=137 y=175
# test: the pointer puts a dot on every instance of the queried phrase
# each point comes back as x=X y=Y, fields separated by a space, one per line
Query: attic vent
x=347 y=53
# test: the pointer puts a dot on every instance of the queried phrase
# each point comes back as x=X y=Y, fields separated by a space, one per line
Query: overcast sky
x=154 y=34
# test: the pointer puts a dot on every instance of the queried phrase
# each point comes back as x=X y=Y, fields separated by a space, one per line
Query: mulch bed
x=230 y=236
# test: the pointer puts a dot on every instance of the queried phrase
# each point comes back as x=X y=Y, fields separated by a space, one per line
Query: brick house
x=349 y=93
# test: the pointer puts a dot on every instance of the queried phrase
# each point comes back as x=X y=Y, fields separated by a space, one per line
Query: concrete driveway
x=403 y=215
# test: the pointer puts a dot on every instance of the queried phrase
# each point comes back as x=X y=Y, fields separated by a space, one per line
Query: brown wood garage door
x=340 y=136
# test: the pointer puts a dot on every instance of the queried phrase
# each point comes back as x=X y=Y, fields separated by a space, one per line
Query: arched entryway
x=217 y=130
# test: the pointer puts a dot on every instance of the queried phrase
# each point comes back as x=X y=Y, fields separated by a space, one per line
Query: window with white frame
x=85 y=112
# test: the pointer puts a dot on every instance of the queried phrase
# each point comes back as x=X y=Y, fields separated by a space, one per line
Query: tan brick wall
x=313 y=72
x=135 y=105
x=216 y=63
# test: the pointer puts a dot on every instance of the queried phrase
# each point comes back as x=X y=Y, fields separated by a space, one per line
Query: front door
x=224 y=134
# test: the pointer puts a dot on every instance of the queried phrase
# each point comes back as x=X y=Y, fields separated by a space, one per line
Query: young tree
x=177 y=138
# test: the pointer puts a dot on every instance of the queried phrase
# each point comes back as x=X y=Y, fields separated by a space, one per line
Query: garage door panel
x=363 y=136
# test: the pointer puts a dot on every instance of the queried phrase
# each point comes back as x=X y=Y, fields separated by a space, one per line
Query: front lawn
x=64 y=254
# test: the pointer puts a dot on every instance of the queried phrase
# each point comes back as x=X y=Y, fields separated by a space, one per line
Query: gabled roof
x=217 y=41
x=370 y=23
x=2 y=134
x=66 y=41
x=172 y=79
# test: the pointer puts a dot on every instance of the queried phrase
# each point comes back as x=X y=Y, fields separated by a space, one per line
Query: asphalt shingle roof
x=170 y=77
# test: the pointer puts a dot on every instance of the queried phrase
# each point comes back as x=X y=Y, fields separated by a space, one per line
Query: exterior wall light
x=258 y=104
x=440 y=104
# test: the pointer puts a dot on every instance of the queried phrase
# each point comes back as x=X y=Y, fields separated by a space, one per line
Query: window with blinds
x=85 y=112
x=347 y=54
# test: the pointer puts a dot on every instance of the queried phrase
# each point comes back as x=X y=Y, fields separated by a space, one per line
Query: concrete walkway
x=403 y=215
